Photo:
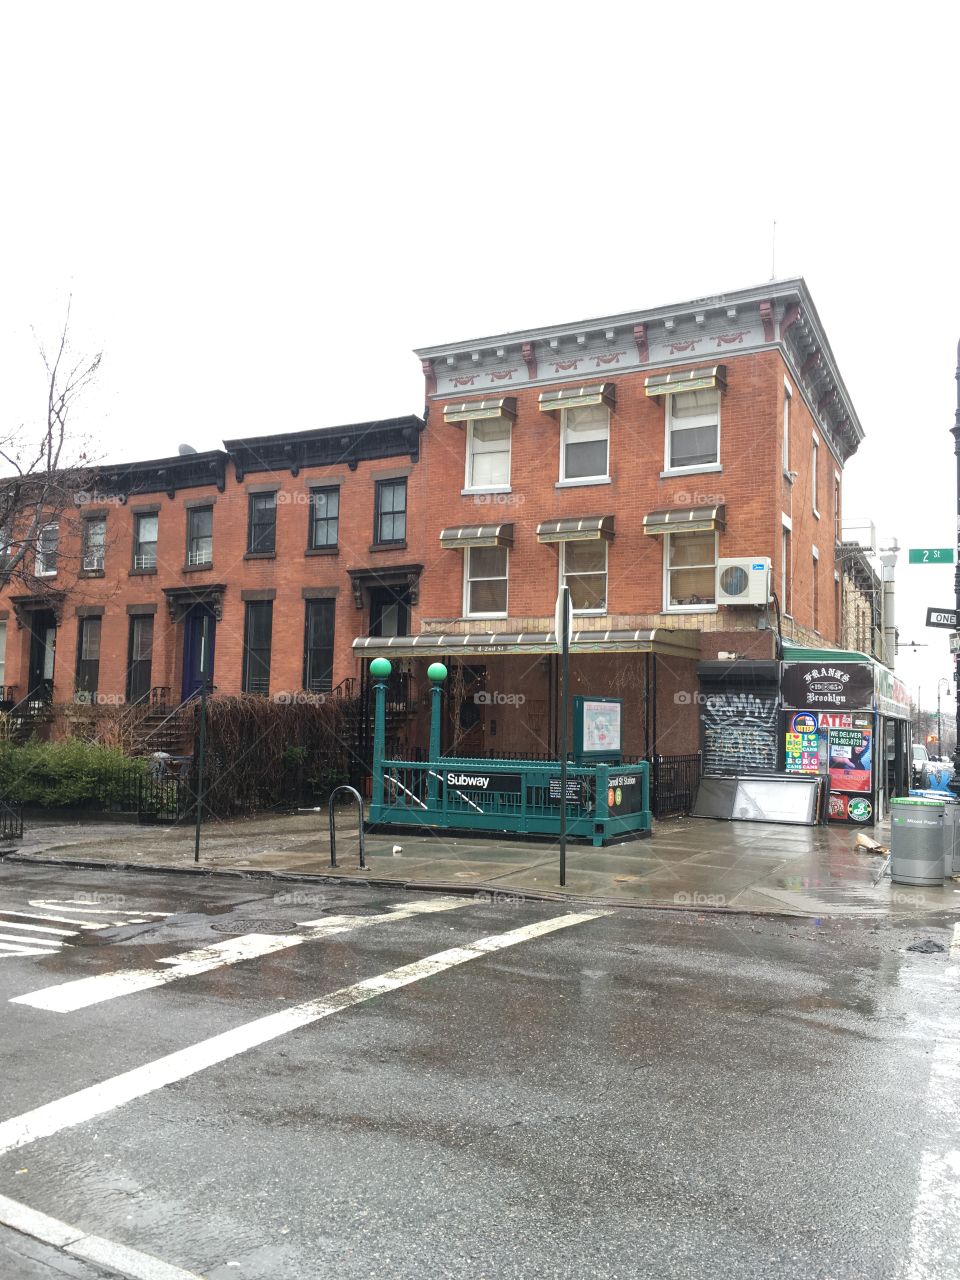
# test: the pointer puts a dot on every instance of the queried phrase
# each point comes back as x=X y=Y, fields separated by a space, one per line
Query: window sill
x=388 y=546
x=198 y=568
x=91 y=573
x=322 y=551
x=260 y=555
x=708 y=468
x=579 y=484
x=493 y=488
x=589 y=613
x=483 y=617
x=691 y=608
x=141 y=573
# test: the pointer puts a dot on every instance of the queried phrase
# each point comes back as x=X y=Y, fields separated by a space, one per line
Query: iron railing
x=673 y=783
x=11 y=820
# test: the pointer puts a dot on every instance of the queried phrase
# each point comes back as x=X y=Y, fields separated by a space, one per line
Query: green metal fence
x=605 y=802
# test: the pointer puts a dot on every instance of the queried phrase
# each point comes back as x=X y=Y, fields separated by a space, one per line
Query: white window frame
x=837 y=527
x=699 y=420
x=468 y=486
x=688 y=608
x=562 y=578
x=571 y=481
x=787 y=398
x=468 y=579
x=786 y=568
x=40 y=563
x=814 y=472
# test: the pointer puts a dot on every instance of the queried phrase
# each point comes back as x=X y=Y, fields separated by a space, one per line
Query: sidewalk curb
x=401 y=886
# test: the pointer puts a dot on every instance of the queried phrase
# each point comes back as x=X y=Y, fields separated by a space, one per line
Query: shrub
x=69 y=774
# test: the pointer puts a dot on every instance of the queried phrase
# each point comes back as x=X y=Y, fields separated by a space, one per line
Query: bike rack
x=333 y=828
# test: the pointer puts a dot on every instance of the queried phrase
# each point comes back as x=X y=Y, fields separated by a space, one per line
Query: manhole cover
x=252 y=924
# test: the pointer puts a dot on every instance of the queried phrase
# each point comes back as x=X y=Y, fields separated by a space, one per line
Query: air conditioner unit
x=745 y=580
x=93 y=560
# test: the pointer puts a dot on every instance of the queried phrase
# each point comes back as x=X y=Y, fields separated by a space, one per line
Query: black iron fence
x=673 y=784
x=11 y=820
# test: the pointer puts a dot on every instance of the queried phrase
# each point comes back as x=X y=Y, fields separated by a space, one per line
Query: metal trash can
x=917 y=841
x=951 y=836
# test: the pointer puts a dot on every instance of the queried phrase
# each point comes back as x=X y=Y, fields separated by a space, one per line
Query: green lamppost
x=437 y=673
x=380 y=669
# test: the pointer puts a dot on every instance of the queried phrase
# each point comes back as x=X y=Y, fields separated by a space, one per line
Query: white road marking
x=117 y=1257
x=81 y=924
x=38 y=928
x=98 y=1099
x=935 y=1224
x=31 y=943
x=84 y=908
x=67 y=997
x=7 y=950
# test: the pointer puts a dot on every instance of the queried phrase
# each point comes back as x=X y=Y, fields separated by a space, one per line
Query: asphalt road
x=635 y=1094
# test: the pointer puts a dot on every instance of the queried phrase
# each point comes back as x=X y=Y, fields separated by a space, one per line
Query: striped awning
x=677 y=644
x=477 y=535
x=685 y=520
x=663 y=384
x=586 y=529
x=472 y=410
x=574 y=397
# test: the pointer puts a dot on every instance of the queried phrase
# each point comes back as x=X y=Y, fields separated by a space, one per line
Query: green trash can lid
x=915 y=800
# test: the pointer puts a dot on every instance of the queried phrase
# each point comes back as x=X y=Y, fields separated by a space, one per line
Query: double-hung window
x=145 y=541
x=324 y=518
x=693 y=429
x=488 y=454
x=690 y=570
x=318 y=646
x=262 y=524
x=486 y=580
x=815 y=474
x=583 y=568
x=88 y=658
x=257 y=637
x=390 y=523
x=200 y=536
x=94 y=544
x=48 y=540
x=787 y=397
x=585 y=443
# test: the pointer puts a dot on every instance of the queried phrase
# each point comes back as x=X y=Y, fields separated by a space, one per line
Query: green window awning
x=477 y=535
x=665 y=384
x=576 y=397
x=585 y=529
x=685 y=520
x=474 y=410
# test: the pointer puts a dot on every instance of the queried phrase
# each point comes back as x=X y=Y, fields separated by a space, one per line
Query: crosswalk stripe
x=7 y=950
x=31 y=942
x=67 y=997
x=37 y=928
x=81 y=924
x=65 y=905
x=98 y=1099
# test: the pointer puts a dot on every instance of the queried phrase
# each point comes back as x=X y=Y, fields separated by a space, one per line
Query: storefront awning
x=576 y=397
x=472 y=410
x=685 y=520
x=676 y=644
x=585 y=529
x=477 y=535
x=664 y=384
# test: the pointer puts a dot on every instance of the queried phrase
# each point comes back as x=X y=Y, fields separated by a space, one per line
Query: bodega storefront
x=847 y=718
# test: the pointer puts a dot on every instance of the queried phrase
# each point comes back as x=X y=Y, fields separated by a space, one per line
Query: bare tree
x=49 y=470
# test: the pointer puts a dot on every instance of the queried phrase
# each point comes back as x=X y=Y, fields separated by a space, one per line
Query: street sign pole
x=563 y=619
x=954 y=783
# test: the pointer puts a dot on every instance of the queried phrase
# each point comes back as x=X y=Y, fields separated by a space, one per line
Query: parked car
x=918 y=773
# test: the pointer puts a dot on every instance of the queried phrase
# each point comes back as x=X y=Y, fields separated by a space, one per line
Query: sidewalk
x=688 y=864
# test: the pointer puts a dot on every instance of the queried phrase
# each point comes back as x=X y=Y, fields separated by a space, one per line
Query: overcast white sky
x=260 y=209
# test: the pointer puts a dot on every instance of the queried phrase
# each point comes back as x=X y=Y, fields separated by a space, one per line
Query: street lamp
x=955 y=432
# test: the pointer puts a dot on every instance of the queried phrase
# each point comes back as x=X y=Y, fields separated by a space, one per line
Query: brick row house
x=627 y=456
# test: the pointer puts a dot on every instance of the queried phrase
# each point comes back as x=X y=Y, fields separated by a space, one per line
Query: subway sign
x=477 y=780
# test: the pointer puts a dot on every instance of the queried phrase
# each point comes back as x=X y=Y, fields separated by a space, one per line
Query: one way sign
x=942 y=618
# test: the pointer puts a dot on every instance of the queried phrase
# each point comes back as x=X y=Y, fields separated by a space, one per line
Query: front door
x=43 y=646
x=389 y=612
x=140 y=660
x=195 y=655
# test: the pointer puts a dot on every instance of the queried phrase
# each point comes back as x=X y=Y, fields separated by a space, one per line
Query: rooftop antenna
x=773 y=252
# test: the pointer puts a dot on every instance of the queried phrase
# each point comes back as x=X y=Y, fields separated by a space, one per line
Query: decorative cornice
x=393 y=575
x=331 y=446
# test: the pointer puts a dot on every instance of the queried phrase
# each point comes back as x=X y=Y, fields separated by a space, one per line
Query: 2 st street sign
x=931 y=555
x=942 y=618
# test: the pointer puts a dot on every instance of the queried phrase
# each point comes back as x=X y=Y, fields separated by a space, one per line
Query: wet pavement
x=688 y=863
x=609 y=1094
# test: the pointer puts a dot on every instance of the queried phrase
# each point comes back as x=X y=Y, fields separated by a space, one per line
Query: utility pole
x=954 y=783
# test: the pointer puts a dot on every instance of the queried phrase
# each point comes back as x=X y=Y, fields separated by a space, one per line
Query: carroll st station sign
x=835 y=686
